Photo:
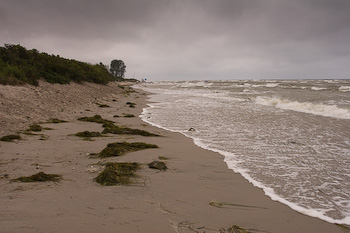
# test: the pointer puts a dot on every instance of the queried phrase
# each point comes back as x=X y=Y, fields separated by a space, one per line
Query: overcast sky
x=189 y=39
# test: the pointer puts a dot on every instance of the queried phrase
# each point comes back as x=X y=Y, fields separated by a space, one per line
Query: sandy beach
x=197 y=193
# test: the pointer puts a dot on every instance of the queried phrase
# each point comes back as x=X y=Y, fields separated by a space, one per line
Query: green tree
x=118 y=68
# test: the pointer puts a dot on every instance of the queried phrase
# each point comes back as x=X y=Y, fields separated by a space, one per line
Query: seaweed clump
x=35 y=128
x=96 y=118
x=120 y=148
x=117 y=174
x=129 y=115
x=88 y=134
x=158 y=165
x=55 y=121
x=10 y=138
x=130 y=104
x=234 y=229
x=114 y=129
x=39 y=177
x=103 y=106
x=110 y=127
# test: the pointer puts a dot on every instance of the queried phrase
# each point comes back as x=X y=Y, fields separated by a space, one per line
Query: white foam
x=344 y=88
x=232 y=163
x=318 y=88
x=306 y=107
x=195 y=84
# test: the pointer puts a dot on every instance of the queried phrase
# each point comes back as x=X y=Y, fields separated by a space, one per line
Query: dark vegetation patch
x=96 y=118
x=110 y=127
x=37 y=128
x=234 y=229
x=120 y=148
x=39 y=177
x=163 y=158
x=88 y=134
x=117 y=174
x=114 y=129
x=129 y=115
x=19 y=66
x=55 y=121
x=116 y=116
x=10 y=138
x=103 y=106
x=43 y=138
x=159 y=165
x=130 y=104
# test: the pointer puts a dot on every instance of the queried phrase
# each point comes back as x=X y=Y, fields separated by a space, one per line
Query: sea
x=290 y=138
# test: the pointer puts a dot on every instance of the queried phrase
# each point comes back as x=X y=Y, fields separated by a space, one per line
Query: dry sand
x=177 y=200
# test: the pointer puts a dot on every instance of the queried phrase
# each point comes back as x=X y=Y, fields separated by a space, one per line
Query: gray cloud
x=192 y=39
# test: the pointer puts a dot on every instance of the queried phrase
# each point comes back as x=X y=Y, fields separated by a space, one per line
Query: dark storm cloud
x=192 y=39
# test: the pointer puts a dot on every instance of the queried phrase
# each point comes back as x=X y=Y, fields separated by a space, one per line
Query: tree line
x=19 y=65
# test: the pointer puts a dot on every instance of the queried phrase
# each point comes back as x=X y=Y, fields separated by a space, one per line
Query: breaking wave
x=306 y=107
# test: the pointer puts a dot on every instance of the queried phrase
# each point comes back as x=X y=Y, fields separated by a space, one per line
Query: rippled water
x=290 y=138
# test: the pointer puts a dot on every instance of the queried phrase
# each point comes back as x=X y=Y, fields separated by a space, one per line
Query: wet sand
x=198 y=193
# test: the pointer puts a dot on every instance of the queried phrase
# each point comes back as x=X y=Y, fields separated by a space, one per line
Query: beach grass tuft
x=39 y=177
x=10 y=138
x=117 y=174
x=159 y=165
x=120 y=148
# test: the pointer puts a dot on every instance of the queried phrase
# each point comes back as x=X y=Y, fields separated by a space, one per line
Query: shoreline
x=198 y=192
x=268 y=192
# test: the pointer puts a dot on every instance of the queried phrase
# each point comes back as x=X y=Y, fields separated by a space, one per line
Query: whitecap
x=306 y=107
x=318 y=88
x=344 y=88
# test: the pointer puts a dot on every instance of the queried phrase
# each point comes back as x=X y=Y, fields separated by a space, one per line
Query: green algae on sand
x=88 y=134
x=120 y=148
x=159 y=165
x=39 y=177
x=10 y=138
x=117 y=174
x=110 y=127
